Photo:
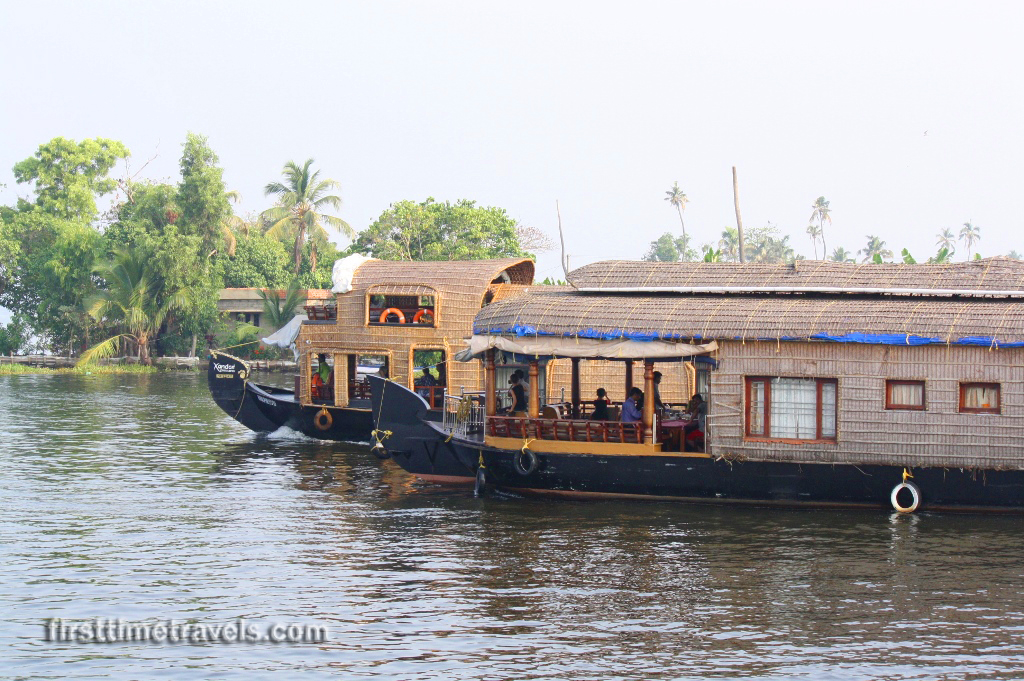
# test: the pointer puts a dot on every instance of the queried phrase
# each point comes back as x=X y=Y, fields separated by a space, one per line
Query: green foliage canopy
x=440 y=231
x=69 y=175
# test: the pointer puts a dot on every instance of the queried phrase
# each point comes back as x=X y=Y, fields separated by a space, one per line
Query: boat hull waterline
x=692 y=477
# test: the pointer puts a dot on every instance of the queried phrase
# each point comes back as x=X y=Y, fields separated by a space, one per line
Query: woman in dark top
x=518 y=395
x=600 y=412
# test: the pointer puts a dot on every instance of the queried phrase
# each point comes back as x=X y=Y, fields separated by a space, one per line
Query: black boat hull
x=416 y=442
x=265 y=409
x=698 y=478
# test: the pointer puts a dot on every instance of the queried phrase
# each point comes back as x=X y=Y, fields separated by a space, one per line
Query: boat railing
x=463 y=415
x=571 y=430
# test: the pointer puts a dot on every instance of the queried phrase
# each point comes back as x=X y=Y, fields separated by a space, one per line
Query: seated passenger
x=632 y=408
x=600 y=412
x=322 y=378
x=426 y=380
x=698 y=410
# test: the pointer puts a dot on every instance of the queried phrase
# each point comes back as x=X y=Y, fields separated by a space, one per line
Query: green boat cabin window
x=394 y=310
x=904 y=395
x=979 y=398
x=791 y=408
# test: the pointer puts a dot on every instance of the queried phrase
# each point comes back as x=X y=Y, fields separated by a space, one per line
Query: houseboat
x=822 y=384
x=400 y=320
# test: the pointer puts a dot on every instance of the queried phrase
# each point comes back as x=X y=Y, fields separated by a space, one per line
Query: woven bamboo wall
x=460 y=288
x=867 y=432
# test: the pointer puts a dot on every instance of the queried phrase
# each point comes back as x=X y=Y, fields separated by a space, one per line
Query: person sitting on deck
x=425 y=380
x=632 y=409
x=322 y=378
x=600 y=412
x=698 y=409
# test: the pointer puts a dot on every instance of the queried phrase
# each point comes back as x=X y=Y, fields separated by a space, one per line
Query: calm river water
x=134 y=497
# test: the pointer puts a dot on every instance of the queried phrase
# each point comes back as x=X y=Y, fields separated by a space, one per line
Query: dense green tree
x=1014 y=254
x=69 y=175
x=259 y=262
x=677 y=197
x=50 y=274
x=970 y=235
x=202 y=196
x=14 y=336
x=301 y=201
x=729 y=245
x=767 y=245
x=136 y=301
x=440 y=231
x=669 y=248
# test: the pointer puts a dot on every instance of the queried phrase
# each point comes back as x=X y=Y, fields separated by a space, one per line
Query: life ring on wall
x=391 y=310
x=915 y=497
x=424 y=313
x=323 y=419
x=525 y=461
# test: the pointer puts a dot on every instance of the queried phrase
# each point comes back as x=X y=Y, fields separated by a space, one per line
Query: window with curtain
x=979 y=398
x=791 y=408
x=904 y=395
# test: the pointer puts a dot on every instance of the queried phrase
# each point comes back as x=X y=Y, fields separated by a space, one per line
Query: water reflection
x=135 y=497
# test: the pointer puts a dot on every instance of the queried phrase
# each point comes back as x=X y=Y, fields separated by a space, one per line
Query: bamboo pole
x=648 y=413
x=534 y=402
x=739 y=220
x=575 y=387
x=490 y=396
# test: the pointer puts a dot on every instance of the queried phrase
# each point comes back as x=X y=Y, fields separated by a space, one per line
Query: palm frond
x=102 y=350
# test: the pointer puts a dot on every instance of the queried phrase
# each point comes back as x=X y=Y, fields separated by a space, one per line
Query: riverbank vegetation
x=143 y=277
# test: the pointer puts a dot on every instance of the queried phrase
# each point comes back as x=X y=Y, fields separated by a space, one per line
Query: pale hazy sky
x=600 y=106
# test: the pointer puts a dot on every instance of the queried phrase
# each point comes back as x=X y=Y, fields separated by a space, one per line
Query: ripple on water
x=134 y=497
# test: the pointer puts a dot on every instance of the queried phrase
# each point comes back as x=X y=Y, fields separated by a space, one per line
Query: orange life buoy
x=323 y=419
x=424 y=312
x=391 y=310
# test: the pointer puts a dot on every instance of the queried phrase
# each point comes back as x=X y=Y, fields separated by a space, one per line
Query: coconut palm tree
x=970 y=235
x=677 y=197
x=841 y=255
x=947 y=240
x=280 y=311
x=137 y=299
x=820 y=213
x=814 y=231
x=301 y=199
x=729 y=244
x=875 y=247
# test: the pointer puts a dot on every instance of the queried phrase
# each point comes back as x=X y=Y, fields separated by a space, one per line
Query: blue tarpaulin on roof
x=868 y=338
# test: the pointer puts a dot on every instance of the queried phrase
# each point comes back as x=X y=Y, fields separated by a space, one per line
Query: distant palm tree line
x=766 y=244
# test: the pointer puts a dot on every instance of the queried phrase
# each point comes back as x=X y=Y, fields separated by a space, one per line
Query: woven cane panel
x=868 y=433
x=460 y=287
x=998 y=273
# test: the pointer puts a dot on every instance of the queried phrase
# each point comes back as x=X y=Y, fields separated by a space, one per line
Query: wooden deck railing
x=571 y=430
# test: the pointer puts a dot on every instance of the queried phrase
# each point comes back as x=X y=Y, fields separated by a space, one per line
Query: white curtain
x=794 y=408
x=906 y=394
x=828 y=409
x=981 y=396
x=756 y=425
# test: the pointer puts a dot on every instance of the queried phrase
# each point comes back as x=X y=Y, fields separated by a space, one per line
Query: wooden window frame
x=981 y=410
x=767 y=436
x=905 y=407
x=368 y=322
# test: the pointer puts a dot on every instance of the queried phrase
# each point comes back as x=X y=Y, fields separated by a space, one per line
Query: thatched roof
x=702 y=318
x=444 y=276
x=997 y=276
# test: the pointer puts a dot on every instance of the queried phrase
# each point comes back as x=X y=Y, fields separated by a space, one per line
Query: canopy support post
x=648 y=414
x=575 y=387
x=490 y=395
x=629 y=378
x=534 y=402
